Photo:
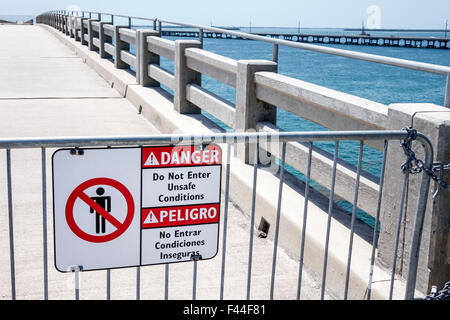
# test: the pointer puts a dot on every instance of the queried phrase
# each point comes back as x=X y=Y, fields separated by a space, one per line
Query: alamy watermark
x=373 y=20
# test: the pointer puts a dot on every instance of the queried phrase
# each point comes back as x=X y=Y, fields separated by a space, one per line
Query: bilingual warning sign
x=123 y=207
x=180 y=203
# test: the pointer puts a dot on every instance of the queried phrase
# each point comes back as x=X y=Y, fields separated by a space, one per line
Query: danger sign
x=119 y=207
x=180 y=203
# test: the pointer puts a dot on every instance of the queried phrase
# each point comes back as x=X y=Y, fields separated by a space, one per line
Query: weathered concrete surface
x=34 y=65
x=434 y=264
x=87 y=115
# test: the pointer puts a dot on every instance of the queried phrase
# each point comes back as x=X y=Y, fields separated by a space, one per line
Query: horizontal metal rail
x=402 y=63
x=81 y=14
x=395 y=62
x=408 y=64
x=305 y=136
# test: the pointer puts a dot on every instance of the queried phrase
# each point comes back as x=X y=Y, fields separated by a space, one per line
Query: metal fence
x=229 y=141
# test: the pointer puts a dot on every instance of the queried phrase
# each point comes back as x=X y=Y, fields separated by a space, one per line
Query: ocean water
x=380 y=83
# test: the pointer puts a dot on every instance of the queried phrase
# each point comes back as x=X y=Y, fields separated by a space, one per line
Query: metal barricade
x=228 y=141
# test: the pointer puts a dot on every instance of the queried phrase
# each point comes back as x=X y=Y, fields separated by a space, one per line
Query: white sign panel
x=121 y=207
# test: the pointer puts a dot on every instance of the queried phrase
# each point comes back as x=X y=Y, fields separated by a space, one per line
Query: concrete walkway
x=46 y=90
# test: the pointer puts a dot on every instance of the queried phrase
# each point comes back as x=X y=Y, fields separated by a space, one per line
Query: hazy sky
x=311 y=13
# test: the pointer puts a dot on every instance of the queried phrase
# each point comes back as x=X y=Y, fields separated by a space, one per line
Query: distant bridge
x=28 y=22
x=368 y=40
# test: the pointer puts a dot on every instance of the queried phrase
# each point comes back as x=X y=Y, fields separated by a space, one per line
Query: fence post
x=66 y=24
x=119 y=45
x=249 y=110
x=103 y=38
x=447 y=92
x=83 y=31
x=60 y=22
x=434 y=259
x=91 y=33
x=71 y=26
x=75 y=29
x=58 y=25
x=145 y=57
x=184 y=76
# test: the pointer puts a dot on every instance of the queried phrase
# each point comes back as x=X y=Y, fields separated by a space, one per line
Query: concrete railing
x=259 y=91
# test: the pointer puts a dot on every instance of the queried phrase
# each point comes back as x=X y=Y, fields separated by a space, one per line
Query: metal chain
x=444 y=294
x=414 y=165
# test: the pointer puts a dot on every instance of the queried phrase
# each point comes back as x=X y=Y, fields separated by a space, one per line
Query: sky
x=413 y=14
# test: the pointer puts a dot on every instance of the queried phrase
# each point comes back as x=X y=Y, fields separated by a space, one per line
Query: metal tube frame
x=229 y=138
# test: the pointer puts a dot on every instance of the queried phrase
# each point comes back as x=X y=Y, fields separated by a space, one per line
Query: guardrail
x=259 y=89
x=234 y=140
x=401 y=63
x=315 y=103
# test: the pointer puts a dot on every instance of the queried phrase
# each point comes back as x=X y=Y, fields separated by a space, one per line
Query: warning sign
x=119 y=207
x=180 y=203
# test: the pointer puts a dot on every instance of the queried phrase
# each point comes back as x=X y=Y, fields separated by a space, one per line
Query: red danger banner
x=180 y=156
x=180 y=216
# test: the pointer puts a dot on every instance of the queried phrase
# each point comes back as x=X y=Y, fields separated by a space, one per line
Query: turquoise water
x=368 y=80
x=380 y=83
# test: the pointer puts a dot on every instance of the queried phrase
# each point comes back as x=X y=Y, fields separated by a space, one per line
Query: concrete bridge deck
x=47 y=90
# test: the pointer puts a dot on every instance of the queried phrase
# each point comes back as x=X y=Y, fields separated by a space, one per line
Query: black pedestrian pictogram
x=105 y=203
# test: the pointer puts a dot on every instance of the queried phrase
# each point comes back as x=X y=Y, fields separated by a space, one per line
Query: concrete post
x=119 y=45
x=184 y=76
x=434 y=258
x=249 y=110
x=75 y=29
x=71 y=27
x=60 y=20
x=103 y=38
x=145 y=57
x=66 y=24
x=83 y=31
x=91 y=34
x=447 y=92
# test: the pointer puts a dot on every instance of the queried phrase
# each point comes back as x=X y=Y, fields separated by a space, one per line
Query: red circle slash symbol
x=121 y=227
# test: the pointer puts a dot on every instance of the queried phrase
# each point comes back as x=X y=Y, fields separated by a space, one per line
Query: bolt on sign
x=124 y=207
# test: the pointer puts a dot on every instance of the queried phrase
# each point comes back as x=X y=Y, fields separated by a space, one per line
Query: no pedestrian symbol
x=125 y=207
x=102 y=214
